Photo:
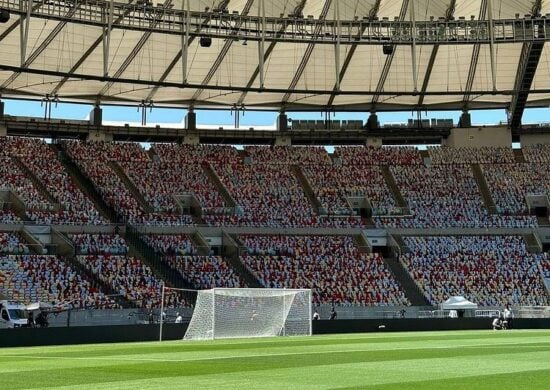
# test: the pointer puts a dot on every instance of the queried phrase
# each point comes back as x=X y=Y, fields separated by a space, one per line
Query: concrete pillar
x=465 y=120
x=96 y=116
x=1 y=110
x=191 y=120
x=372 y=122
x=282 y=122
x=3 y=131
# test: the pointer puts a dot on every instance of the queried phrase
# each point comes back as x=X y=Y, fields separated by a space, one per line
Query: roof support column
x=492 y=43
x=107 y=38
x=337 y=45
x=185 y=24
x=24 y=30
x=261 y=44
x=413 y=46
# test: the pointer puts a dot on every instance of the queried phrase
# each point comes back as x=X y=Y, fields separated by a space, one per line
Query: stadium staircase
x=85 y=185
x=117 y=169
x=232 y=248
x=200 y=243
x=362 y=244
x=543 y=221
x=140 y=249
x=409 y=286
x=35 y=181
x=519 y=156
x=394 y=189
x=308 y=189
x=484 y=189
x=213 y=176
x=9 y=199
x=532 y=243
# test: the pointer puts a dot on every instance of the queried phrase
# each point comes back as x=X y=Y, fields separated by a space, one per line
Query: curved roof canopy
x=292 y=54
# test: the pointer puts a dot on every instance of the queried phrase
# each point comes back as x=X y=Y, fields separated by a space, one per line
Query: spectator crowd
x=487 y=270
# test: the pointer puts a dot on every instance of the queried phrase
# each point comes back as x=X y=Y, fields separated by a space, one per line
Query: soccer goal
x=222 y=313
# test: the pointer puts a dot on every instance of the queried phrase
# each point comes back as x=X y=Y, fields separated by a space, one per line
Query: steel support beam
x=492 y=44
x=186 y=26
x=474 y=61
x=221 y=56
x=40 y=49
x=389 y=60
x=111 y=79
x=298 y=30
x=135 y=51
x=449 y=14
x=413 y=47
x=85 y=56
x=107 y=38
x=261 y=45
x=372 y=15
x=180 y=55
x=24 y=29
x=16 y=24
x=307 y=55
x=297 y=12
x=527 y=67
x=337 y=45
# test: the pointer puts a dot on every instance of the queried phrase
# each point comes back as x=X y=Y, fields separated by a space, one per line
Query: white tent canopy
x=458 y=303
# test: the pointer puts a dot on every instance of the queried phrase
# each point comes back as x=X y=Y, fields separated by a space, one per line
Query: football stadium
x=274 y=194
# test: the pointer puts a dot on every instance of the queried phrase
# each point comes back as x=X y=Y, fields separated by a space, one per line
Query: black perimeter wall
x=134 y=333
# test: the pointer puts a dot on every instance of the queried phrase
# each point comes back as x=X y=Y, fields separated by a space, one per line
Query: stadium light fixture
x=205 y=41
x=4 y=15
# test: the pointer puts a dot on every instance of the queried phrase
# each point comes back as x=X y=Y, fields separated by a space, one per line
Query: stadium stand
x=96 y=160
x=104 y=255
x=446 y=196
x=510 y=183
x=35 y=156
x=537 y=154
x=332 y=266
x=30 y=278
x=487 y=270
x=202 y=272
x=461 y=155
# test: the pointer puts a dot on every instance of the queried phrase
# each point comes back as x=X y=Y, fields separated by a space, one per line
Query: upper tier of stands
x=67 y=204
x=487 y=270
x=274 y=186
x=446 y=196
x=332 y=267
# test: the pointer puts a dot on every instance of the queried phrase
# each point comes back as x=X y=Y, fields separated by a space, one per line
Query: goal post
x=222 y=313
x=174 y=306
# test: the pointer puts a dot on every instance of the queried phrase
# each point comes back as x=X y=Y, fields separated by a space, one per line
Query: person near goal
x=508 y=317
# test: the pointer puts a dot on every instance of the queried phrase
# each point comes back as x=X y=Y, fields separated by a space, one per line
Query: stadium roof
x=317 y=54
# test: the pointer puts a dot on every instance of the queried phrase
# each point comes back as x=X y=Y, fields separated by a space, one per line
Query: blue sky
x=250 y=118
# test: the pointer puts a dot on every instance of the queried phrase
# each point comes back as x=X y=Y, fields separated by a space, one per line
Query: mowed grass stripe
x=354 y=375
x=247 y=346
x=112 y=371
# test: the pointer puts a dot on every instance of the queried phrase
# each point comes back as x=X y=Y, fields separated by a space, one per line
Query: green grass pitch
x=468 y=360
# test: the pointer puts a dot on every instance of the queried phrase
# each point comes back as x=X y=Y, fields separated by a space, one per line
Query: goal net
x=222 y=313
